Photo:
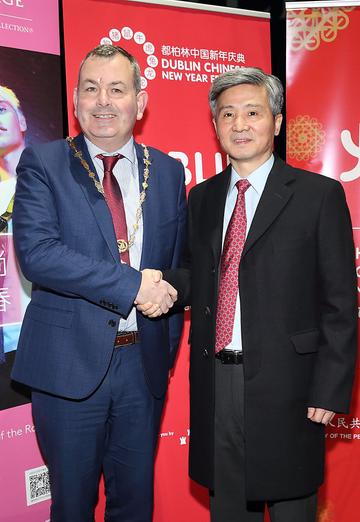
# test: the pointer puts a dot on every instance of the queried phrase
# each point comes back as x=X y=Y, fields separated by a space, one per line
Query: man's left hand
x=320 y=415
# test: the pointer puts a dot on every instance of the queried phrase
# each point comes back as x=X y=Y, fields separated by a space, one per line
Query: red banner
x=323 y=135
x=180 y=51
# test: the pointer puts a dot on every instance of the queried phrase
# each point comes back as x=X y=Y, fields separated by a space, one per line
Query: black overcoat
x=298 y=317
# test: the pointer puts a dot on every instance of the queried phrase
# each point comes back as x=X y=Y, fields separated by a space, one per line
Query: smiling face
x=12 y=127
x=106 y=103
x=246 y=126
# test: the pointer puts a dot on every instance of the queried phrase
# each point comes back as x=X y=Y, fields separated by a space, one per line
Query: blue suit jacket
x=66 y=246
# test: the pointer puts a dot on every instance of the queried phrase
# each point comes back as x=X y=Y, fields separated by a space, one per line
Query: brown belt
x=125 y=338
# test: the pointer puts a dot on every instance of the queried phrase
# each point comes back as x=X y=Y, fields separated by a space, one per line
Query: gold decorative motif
x=308 y=27
x=305 y=138
x=122 y=244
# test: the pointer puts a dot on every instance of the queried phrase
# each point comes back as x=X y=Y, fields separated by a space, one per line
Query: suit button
x=205 y=353
x=213 y=270
x=207 y=311
x=111 y=322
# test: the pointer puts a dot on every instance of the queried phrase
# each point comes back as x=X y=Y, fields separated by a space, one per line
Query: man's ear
x=142 y=99
x=22 y=122
x=75 y=100
x=278 y=122
x=215 y=127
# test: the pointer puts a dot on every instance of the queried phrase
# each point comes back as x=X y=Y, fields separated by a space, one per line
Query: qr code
x=37 y=485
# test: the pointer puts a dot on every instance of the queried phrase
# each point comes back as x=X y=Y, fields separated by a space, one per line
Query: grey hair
x=109 y=51
x=250 y=76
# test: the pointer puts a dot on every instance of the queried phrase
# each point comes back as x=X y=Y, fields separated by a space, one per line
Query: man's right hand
x=155 y=296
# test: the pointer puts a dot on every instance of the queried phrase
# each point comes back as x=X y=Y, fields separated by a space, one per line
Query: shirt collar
x=257 y=178
x=127 y=150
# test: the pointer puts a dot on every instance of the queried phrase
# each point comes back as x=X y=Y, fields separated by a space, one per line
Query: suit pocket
x=306 y=342
x=52 y=316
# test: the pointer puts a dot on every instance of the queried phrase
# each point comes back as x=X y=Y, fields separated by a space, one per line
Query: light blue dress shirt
x=127 y=175
x=257 y=180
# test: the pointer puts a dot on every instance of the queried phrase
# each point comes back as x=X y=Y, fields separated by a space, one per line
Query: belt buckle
x=230 y=357
x=125 y=339
x=227 y=357
x=238 y=357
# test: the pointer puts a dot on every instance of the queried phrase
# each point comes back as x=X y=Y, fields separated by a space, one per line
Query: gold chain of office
x=123 y=245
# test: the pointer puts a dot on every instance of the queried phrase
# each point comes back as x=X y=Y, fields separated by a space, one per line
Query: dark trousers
x=113 y=431
x=228 y=502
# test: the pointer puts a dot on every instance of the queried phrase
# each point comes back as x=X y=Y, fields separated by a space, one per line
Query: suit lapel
x=95 y=199
x=277 y=193
x=214 y=203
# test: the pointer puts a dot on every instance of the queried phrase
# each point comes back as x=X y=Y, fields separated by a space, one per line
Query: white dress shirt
x=127 y=175
x=257 y=180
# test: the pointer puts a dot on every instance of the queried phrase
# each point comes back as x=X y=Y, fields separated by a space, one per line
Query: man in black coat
x=273 y=348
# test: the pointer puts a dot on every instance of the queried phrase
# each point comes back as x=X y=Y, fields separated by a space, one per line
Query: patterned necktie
x=229 y=269
x=115 y=201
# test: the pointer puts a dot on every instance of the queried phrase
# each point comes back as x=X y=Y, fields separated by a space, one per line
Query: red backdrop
x=323 y=74
x=179 y=50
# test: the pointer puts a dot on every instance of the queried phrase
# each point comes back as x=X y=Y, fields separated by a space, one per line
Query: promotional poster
x=323 y=137
x=30 y=112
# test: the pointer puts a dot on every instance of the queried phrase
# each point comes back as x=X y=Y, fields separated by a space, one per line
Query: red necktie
x=229 y=269
x=115 y=201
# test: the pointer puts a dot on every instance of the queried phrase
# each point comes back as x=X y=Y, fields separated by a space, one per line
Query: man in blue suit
x=97 y=368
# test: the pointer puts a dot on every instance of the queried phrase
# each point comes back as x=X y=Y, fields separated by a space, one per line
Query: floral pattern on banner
x=311 y=26
x=305 y=138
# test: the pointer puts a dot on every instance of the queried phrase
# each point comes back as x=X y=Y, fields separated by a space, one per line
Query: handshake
x=155 y=296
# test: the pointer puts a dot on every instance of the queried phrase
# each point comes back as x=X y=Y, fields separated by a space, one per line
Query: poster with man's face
x=30 y=112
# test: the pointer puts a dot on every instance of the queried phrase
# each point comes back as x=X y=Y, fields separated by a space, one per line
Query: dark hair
x=109 y=51
x=251 y=76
